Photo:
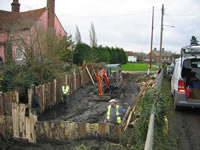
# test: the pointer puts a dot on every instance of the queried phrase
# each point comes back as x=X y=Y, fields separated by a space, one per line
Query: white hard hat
x=113 y=100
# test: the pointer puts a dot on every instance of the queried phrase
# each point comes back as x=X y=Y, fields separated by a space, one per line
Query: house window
x=19 y=54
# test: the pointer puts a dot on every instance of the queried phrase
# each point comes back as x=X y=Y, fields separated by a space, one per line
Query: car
x=170 y=70
x=185 y=80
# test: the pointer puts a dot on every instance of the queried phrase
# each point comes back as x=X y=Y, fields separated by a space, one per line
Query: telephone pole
x=161 y=34
x=151 y=38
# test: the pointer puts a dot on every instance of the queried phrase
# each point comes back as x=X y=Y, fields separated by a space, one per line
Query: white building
x=131 y=56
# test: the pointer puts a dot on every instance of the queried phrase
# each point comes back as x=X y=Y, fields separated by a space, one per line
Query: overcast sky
x=126 y=23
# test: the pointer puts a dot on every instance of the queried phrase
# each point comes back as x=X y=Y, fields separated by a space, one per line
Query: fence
x=6 y=122
x=13 y=119
x=51 y=93
x=65 y=130
x=150 y=133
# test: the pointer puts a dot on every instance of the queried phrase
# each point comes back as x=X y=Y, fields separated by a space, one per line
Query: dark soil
x=81 y=107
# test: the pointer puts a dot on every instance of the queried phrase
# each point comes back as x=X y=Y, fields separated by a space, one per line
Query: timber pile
x=131 y=109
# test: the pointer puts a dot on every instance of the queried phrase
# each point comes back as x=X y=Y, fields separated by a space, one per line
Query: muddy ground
x=85 y=106
x=81 y=107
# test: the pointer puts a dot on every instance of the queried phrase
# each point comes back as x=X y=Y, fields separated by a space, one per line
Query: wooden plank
x=17 y=97
x=22 y=121
x=66 y=79
x=104 y=98
x=129 y=117
x=74 y=79
x=9 y=103
x=78 y=81
x=82 y=80
x=33 y=120
x=71 y=84
x=1 y=104
x=125 y=116
x=58 y=91
x=54 y=91
x=39 y=89
x=90 y=75
x=28 y=135
x=15 y=118
x=43 y=98
x=30 y=92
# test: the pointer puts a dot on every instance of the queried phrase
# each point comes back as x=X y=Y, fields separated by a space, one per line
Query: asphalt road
x=186 y=124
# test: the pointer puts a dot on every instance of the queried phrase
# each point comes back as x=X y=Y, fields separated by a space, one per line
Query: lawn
x=136 y=67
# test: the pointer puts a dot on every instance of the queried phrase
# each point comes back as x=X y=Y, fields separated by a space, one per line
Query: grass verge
x=136 y=67
x=168 y=141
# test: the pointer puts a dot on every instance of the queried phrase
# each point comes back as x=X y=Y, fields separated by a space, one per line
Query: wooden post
x=30 y=93
x=28 y=134
x=22 y=123
x=49 y=95
x=33 y=120
x=43 y=98
x=1 y=104
x=82 y=80
x=17 y=97
x=90 y=75
x=66 y=80
x=15 y=118
x=54 y=91
x=74 y=77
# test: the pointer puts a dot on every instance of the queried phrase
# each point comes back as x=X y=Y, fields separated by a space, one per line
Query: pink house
x=44 y=17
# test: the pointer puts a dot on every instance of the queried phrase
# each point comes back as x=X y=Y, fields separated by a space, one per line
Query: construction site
x=78 y=122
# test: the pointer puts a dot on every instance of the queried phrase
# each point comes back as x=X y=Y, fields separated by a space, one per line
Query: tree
x=77 y=35
x=93 y=38
x=43 y=54
x=194 y=41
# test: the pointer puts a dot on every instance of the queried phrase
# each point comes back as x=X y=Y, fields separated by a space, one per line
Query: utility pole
x=151 y=38
x=161 y=34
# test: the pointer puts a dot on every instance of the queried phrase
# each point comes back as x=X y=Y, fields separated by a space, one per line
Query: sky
x=126 y=23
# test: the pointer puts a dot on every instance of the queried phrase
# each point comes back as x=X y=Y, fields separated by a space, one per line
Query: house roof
x=20 y=20
x=130 y=53
x=164 y=53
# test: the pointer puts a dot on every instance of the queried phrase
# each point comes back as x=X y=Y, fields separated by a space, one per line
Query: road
x=186 y=124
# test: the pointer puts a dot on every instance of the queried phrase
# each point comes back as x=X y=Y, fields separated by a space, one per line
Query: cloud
x=126 y=23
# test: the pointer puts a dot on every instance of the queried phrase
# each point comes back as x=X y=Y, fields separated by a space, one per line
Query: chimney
x=15 y=6
x=51 y=13
x=155 y=49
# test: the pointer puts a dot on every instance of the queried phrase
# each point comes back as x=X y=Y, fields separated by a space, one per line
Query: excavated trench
x=81 y=107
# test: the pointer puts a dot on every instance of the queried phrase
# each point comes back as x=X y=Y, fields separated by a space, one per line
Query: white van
x=185 y=81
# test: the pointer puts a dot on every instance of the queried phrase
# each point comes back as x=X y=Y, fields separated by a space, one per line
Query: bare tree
x=77 y=35
x=93 y=38
x=43 y=52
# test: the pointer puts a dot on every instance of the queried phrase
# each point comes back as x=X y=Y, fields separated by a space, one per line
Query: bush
x=144 y=107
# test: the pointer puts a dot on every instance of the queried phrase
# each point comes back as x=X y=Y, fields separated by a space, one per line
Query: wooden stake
x=90 y=75
x=82 y=80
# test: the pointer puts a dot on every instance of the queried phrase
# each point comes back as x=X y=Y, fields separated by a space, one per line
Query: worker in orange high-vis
x=113 y=115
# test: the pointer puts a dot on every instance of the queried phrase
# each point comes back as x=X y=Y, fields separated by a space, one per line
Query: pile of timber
x=131 y=109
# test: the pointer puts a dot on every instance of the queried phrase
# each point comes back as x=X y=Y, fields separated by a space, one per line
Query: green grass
x=136 y=67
